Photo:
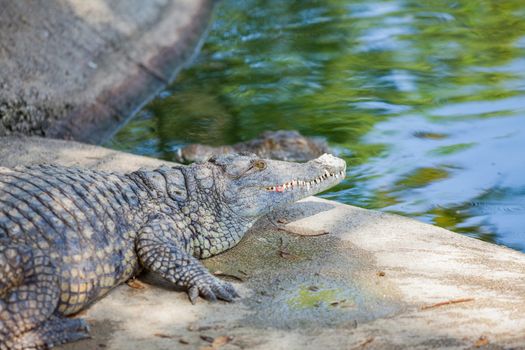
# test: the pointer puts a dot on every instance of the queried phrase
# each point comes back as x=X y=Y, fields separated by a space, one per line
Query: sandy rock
x=75 y=69
x=370 y=281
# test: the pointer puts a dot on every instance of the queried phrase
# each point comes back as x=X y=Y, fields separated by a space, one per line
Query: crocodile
x=287 y=145
x=69 y=235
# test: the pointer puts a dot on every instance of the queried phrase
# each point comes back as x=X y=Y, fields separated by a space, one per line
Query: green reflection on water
x=445 y=150
x=425 y=100
x=422 y=177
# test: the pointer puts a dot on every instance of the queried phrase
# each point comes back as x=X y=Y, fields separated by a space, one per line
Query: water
x=424 y=100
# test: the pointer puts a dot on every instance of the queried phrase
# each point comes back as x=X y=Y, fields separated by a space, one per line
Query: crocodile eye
x=259 y=164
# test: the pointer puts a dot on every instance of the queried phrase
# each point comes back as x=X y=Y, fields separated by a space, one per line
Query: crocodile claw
x=211 y=288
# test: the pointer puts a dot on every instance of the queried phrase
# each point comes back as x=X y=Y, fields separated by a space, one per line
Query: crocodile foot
x=211 y=288
x=55 y=331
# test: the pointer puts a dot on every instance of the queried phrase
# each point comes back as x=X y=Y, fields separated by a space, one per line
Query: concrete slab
x=76 y=69
x=318 y=274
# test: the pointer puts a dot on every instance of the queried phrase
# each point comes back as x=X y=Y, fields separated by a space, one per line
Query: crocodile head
x=251 y=187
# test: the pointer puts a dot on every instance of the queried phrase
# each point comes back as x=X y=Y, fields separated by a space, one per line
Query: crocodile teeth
x=308 y=184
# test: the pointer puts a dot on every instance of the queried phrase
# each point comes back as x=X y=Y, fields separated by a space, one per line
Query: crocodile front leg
x=161 y=248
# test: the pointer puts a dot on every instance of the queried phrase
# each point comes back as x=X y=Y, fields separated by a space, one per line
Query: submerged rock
x=287 y=145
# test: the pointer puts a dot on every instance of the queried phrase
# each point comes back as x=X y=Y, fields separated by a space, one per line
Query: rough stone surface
x=347 y=278
x=76 y=69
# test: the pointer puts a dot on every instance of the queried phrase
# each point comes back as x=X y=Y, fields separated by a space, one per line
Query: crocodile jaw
x=285 y=183
x=313 y=185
